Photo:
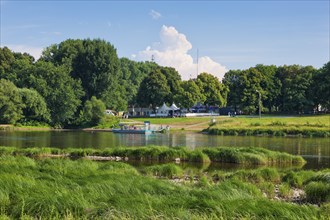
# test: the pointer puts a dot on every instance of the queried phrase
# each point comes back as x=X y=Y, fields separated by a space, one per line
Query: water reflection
x=315 y=150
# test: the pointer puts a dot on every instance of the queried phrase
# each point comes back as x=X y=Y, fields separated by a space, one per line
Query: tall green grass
x=270 y=131
x=60 y=188
x=311 y=126
x=259 y=156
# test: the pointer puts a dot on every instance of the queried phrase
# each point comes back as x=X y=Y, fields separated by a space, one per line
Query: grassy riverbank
x=256 y=156
x=48 y=188
x=311 y=126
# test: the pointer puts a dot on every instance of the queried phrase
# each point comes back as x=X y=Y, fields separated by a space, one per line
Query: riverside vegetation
x=73 y=82
x=311 y=126
x=34 y=186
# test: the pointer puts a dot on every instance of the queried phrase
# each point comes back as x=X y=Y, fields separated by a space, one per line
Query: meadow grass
x=48 y=188
x=311 y=126
x=173 y=121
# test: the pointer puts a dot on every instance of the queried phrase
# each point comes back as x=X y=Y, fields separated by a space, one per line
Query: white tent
x=164 y=109
x=174 y=107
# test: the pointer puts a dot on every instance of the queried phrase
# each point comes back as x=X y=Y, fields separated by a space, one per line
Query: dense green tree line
x=291 y=89
x=76 y=80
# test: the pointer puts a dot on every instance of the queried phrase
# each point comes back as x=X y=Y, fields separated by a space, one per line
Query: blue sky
x=227 y=34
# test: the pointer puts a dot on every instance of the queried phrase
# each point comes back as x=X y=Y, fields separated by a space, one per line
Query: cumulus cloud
x=34 y=51
x=155 y=14
x=172 y=50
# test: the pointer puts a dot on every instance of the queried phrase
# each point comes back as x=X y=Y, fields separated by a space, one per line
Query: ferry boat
x=133 y=128
x=136 y=128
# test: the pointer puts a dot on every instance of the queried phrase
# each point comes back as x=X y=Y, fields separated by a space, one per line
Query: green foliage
x=61 y=92
x=296 y=85
x=109 y=122
x=267 y=188
x=214 y=91
x=321 y=86
x=292 y=179
x=153 y=90
x=273 y=126
x=189 y=94
x=132 y=74
x=93 y=112
x=35 y=107
x=270 y=175
x=293 y=89
x=41 y=189
x=70 y=73
x=285 y=191
x=278 y=123
x=10 y=103
x=317 y=192
x=82 y=189
x=165 y=170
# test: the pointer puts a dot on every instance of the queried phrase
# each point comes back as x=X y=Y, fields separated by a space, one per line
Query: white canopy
x=174 y=107
x=164 y=108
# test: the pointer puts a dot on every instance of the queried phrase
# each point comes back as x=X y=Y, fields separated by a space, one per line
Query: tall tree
x=62 y=93
x=95 y=63
x=10 y=103
x=214 y=91
x=251 y=90
x=34 y=106
x=189 y=94
x=6 y=60
x=153 y=90
x=173 y=79
x=271 y=86
x=321 y=86
x=296 y=83
x=233 y=79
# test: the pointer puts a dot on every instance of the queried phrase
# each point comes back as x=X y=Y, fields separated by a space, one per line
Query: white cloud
x=34 y=51
x=172 y=50
x=155 y=14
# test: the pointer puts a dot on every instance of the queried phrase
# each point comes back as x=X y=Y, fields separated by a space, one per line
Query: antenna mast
x=197 y=61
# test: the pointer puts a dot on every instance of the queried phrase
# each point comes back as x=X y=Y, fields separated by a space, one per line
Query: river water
x=315 y=150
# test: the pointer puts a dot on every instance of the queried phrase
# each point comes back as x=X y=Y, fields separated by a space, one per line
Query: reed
x=61 y=188
x=165 y=170
x=251 y=155
x=270 y=131
x=317 y=192
x=293 y=179
x=258 y=156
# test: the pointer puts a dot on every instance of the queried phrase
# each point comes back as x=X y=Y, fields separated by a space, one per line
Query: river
x=315 y=150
